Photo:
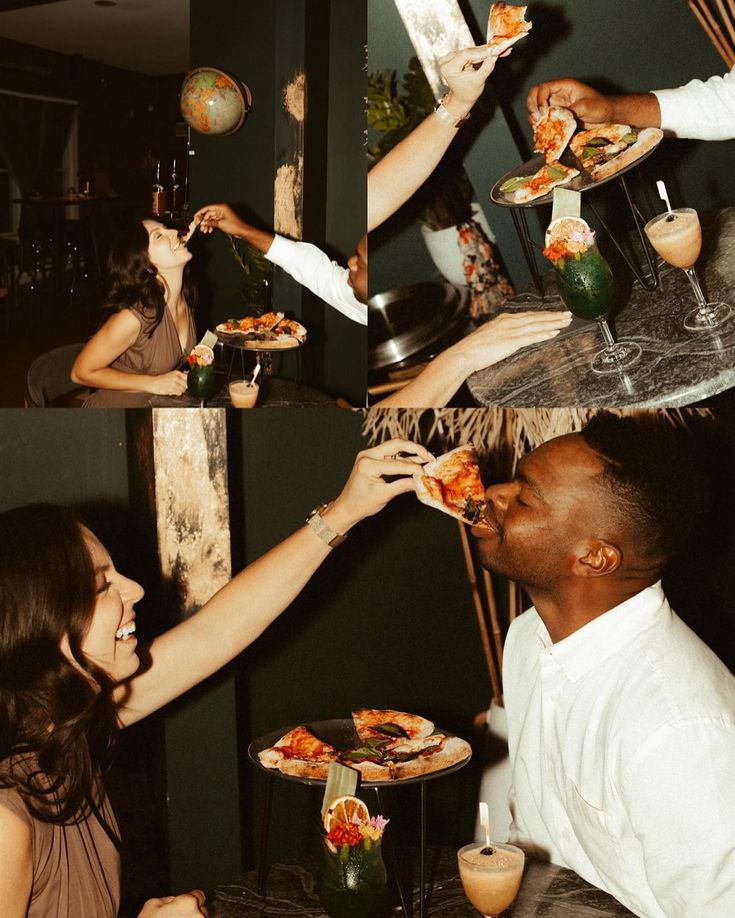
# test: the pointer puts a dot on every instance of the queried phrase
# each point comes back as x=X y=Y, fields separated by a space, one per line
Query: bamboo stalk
x=719 y=43
x=728 y=20
x=493 y=607
x=470 y=564
x=714 y=25
x=731 y=7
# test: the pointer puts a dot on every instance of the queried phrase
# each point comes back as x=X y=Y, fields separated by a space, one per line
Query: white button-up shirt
x=622 y=745
x=312 y=268
x=700 y=110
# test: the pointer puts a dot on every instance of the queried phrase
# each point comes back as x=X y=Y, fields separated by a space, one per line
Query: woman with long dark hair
x=150 y=299
x=70 y=677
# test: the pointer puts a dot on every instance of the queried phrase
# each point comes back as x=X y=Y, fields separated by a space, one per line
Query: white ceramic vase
x=444 y=250
x=496 y=777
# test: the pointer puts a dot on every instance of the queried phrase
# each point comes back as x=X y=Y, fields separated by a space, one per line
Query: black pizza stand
x=237 y=343
x=586 y=185
x=340 y=733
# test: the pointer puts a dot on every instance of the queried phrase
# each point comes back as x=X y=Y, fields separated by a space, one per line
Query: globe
x=213 y=102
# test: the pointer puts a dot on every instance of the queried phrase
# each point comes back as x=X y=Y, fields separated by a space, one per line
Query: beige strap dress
x=155 y=355
x=76 y=868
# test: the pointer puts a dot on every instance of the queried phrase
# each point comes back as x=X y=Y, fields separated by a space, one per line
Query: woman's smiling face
x=109 y=641
x=165 y=248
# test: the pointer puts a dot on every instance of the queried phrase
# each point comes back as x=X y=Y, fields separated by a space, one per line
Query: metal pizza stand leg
x=650 y=281
x=406 y=905
x=264 y=829
x=519 y=220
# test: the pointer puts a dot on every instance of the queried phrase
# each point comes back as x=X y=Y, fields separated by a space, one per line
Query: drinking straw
x=255 y=374
x=485 y=822
x=663 y=194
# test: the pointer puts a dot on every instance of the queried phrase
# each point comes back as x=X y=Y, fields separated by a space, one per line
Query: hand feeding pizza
x=453 y=485
x=391 y=746
x=506 y=24
x=605 y=149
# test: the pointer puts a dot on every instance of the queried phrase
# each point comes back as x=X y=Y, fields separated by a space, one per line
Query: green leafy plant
x=393 y=112
x=258 y=274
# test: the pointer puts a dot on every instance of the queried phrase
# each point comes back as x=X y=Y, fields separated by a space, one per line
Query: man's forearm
x=262 y=240
x=641 y=110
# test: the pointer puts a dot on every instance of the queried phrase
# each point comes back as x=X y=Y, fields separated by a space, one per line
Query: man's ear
x=597 y=558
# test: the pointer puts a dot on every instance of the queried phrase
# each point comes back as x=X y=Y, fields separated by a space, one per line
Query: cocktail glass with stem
x=677 y=237
x=491 y=876
x=586 y=284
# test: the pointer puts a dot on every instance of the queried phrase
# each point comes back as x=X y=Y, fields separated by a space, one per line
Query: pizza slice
x=525 y=188
x=452 y=484
x=552 y=133
x=506 y=24
x=372 y=723
x=299 y=752
x=608 y=148
x=400 y=759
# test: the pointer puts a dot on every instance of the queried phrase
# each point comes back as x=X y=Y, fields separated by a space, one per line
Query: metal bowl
x=406 y=321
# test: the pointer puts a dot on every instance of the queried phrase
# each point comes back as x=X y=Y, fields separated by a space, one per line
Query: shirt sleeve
x=680 y=796
x=311 y=267
x=700 y=110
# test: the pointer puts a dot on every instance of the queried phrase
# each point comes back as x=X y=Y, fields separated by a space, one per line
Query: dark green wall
x=387 y=622
x=263 y=45
x=632 y=47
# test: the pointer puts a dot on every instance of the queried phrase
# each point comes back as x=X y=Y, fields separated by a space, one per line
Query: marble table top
x=274 y=393
x=677 y=368
x=547 y=891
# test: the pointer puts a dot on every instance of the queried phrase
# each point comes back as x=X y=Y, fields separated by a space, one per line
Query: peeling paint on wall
x=435 y=28
x=288 y=198
x=190 y=450
x=295 y=98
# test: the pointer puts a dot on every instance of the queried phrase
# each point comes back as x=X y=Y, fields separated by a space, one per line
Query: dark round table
x=274 y=393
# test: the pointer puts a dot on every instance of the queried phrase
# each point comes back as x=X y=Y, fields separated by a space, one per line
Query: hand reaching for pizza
x=464 y=81
x=590 y=106
x=366 y=491
x=507 y=333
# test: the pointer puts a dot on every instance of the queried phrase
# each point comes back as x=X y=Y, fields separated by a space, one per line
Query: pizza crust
x=648 y=139
x=506 y=25
x=525 y=194
x=427 y=488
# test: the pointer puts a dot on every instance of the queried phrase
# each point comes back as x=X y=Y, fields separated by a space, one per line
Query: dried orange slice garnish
x=346 y=810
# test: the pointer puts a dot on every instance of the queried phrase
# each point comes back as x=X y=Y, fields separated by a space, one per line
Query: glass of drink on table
x=677 y=237
x=243 y=393
x=491 y=876
x=586 y=284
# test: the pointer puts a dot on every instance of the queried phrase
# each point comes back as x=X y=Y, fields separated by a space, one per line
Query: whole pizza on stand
x=385 y=745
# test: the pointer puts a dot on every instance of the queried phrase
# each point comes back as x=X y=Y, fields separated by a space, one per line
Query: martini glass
x=586 y=284
x=491 y=876
x=677 y=237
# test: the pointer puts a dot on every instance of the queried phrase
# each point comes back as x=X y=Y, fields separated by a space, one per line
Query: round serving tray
x=582 y=182
x=241 y=342
x=341 y=734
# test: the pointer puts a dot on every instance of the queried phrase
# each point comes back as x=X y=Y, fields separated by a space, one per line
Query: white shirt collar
x=605 y=635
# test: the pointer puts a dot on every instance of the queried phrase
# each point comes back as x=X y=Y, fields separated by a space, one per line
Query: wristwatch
x=443 y=113
x=315 y=521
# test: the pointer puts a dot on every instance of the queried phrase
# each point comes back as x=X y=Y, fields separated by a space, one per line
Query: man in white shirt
x=700 y=110
x=621 y=721
x=344 y=289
